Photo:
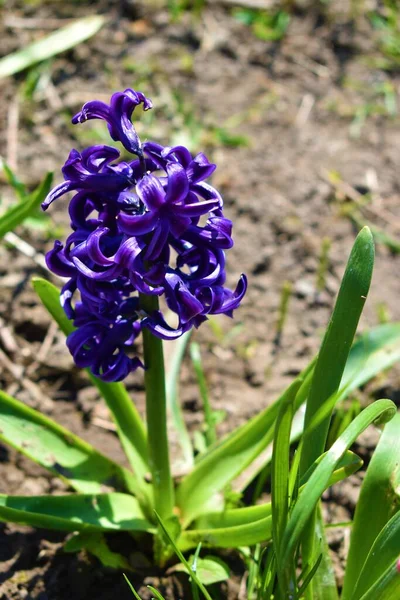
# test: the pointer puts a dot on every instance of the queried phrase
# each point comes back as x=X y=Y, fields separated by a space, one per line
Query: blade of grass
x=156 y=593
x=183 y=559
x=210 y=433
x=134 y=592
x=55 y=43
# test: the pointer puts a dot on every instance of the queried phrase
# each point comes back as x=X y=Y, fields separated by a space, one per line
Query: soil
x=281 y=120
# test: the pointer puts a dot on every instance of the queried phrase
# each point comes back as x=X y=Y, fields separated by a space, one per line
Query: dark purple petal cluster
x=136 y=230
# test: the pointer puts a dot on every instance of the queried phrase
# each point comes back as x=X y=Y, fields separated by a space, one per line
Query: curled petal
x=180 y=300
x=107 y=275
x=80 y=207
x=151 y=192
x=196 y=209
x=160 y=328
x=118 y=116
x=128 y=252
x=181 y=154
x=199 y=168
x=58 y=263
x=93 y=248
x=137 y=225
x=211 y=235
x=178 y=184
x=220 y=300
x=208 y=192
x=56 y=192
x=155 y=152
x=92 y=160
x=158 y=241
x=82 y=342
x=66 y=295
x=116 y=368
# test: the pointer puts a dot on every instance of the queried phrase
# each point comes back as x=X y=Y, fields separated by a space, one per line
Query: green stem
x=156 y=413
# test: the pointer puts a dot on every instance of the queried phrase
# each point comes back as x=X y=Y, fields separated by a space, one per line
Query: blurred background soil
x=298 y=106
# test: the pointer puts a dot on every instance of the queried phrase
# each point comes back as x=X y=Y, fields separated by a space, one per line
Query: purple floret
x=136 y=231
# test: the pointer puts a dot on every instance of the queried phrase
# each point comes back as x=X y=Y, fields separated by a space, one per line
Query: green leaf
x=374 y=351
x=323 y=577
x=280 y=472
x=130 y=428
x=348 y=464
x=76 y=512
x=15 y=215
x=209 y=569
x=252 y=524
x=17 y=185
x=379 y=500
x=210 y=432
x=233 y=517
x=386 y=588
x=156 y=593
x=58 y=450
x=337 y=342
x=246 y=534
x=384 y=552
x=227 y=459
x=380 y=410
x=96 y=544
x=55 y=43
x=174 y=405
x=331 y=363
x=182 y=558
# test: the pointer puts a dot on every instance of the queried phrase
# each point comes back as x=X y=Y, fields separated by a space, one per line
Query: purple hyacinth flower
x=118 y=116
x=90 y=171
x=138 y=231
x=167 y=211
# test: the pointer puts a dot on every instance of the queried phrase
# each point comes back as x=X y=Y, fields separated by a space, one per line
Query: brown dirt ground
x=294 y=102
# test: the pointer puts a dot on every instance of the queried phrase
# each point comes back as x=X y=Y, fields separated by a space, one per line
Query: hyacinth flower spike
x=136 y=237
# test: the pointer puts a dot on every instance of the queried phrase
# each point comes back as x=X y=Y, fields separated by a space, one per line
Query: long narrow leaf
x=280 y=467
x=387 y=587
x=331 y=363
x=76 y=512
x=226 y=460
x=376 y=350
x=174 y=405
x=252 y=524
x=337 y=342
x=378 y=501
x=52 y=44
x=58 y=450
x=315 y=486
x=15 y=215
x=130 y=427
x=384 y=552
